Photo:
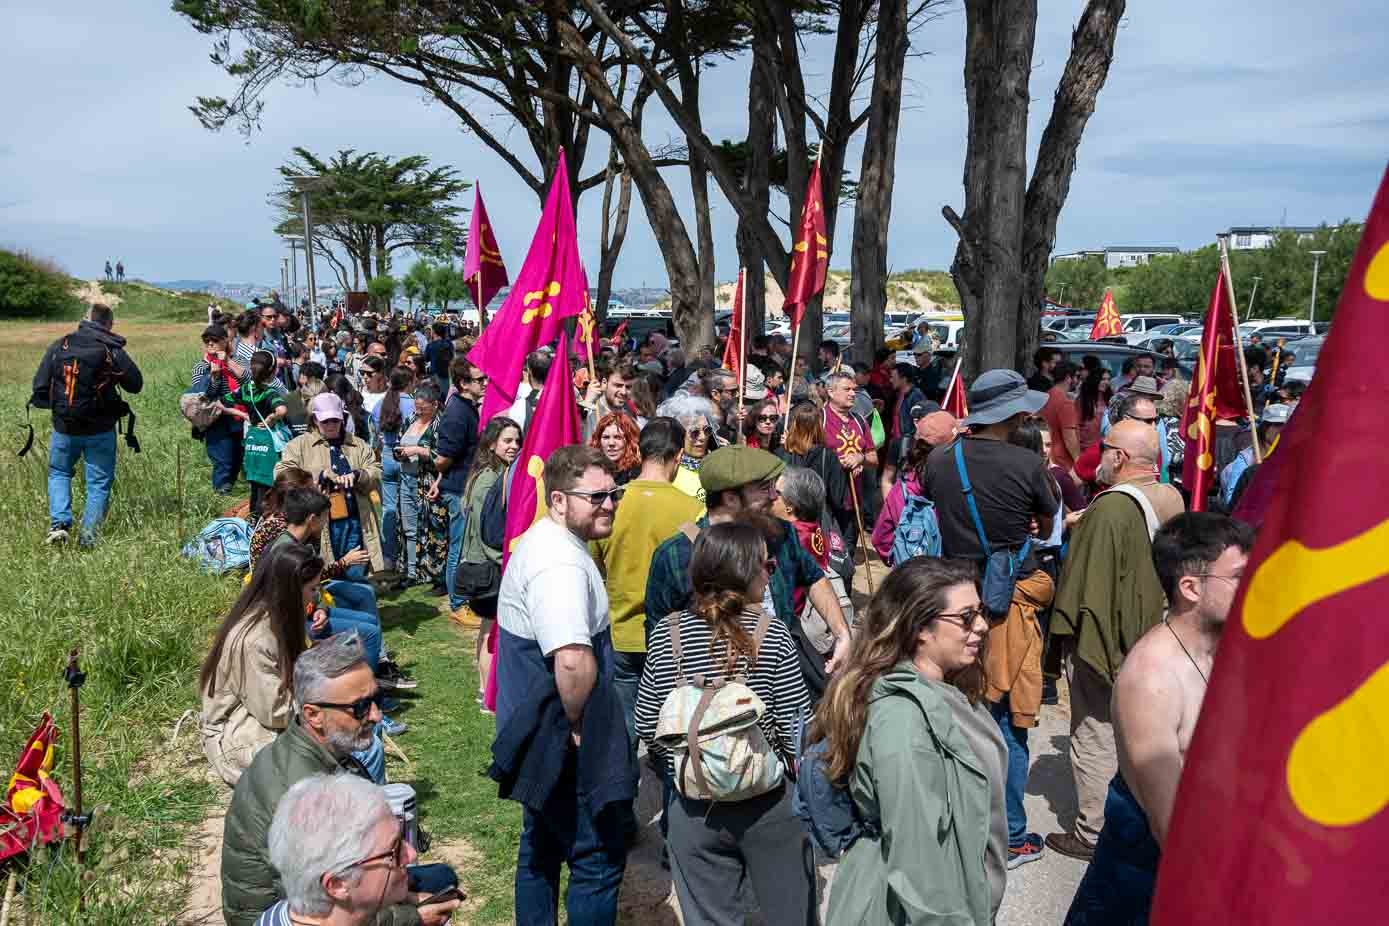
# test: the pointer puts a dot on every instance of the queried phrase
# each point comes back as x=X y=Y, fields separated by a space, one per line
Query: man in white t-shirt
x=552 y=618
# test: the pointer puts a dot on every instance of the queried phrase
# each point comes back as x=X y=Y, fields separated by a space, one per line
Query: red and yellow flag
x=733 y=350
x=1108 y=324
x=1215 y=395
x=1284 y=802
x=954 y=399
x=483 y=269
x=810 y=256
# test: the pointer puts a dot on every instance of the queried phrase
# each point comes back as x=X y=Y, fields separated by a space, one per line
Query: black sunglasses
x=599 y=499
x=359 y=709
x=768 y=417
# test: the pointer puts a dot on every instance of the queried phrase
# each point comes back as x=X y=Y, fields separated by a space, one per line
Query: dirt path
x=90 y=291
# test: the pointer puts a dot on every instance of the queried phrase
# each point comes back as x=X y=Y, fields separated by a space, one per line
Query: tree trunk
x=999 y=36
x=1092 y=52
x=757 y=178
x=868 y=294
x=614 y=229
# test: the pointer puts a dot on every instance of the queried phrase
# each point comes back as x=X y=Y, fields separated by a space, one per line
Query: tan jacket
x=310 y=452
x=1013 y=658
x=247 y=707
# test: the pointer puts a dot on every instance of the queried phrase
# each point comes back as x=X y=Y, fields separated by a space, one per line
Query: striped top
x=278 y=915
x=776 y=678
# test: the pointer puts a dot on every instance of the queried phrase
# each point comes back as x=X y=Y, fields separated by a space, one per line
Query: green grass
x=142 y=302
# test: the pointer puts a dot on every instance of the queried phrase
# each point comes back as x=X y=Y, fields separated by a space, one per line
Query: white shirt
x=551 y=591
x=517 y=412
x=371 y=401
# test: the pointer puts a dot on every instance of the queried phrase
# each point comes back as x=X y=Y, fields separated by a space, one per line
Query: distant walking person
x=120 y=272
x=79 y=380
x=108 y=271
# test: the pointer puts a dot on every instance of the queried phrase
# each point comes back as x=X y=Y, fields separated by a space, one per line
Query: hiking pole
x=862 y=537
x=75 y=677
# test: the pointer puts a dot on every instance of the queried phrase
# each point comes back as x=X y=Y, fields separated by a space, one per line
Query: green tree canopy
x=1079 y=283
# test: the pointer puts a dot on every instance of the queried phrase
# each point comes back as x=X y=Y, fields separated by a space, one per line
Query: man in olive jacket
x=328 y=680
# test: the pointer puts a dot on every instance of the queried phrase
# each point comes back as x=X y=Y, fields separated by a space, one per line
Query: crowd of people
x=684 y=601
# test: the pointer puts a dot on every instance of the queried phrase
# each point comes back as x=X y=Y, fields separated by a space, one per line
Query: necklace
x=1185 y=650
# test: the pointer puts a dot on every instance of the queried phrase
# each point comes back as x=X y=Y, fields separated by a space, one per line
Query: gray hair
x=837 y=375
x=804 y=492
x=689 y=409
x=322 y=826
x=328 y=659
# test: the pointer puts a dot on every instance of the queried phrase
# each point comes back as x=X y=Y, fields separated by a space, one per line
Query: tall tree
x=372 y=205
x=1008 y=228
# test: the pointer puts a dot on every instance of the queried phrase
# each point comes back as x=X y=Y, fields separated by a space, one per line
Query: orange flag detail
x=1108 y=324
x=1284 y=801
x=1215 y=394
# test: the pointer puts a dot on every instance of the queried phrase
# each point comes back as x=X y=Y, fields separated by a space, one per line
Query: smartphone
x=445 y=896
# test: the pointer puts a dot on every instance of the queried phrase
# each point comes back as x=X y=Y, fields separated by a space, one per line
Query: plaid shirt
x=668 y=586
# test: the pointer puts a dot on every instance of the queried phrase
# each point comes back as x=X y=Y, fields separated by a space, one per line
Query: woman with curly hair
x=698 y=416
x=909 y=733
x=617 y=436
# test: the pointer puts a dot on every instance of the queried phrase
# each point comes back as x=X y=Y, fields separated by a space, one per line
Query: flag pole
x=481 y=309
x=862 y=537
x=742 y=358
x=791 y=380
x=1239 y=349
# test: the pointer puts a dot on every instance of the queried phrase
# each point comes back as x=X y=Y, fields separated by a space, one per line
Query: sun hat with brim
x=754 y=384
x=1144 y=385
x=326 y=406
x=997 y=395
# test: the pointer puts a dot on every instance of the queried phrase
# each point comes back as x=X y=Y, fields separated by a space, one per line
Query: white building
x=1117 y=257
x=1256 y=237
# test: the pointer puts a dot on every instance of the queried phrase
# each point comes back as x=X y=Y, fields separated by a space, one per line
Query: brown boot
x=465 y=617
x=1070 y=845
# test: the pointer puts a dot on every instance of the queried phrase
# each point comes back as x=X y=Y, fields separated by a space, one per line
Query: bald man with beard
x=1109 y=595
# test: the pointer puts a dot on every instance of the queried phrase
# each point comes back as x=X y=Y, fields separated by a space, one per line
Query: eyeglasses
x=1105 y=448
x=359 y=709
x=268 y=318
x=965 y=619
x=1210 y=575
x=599 y=499
x=767 y=419
x=396 y=853
x=701 y=431
x=1149 y=421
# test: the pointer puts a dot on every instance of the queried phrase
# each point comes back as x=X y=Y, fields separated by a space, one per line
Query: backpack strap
x=706 y=697
x=673 y=622
x=969 y=497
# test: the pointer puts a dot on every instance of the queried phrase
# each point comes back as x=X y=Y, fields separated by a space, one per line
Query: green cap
x=736 y=465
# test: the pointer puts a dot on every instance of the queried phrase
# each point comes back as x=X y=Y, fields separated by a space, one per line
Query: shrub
x=32 y=287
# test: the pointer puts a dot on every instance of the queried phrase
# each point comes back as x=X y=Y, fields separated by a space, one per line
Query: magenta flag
x=551 y=287
x=554 y=424
x=483 y=269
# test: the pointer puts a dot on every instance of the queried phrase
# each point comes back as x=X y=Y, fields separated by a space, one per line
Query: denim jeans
x=595 y=850
x=344 y=536
x=98 y=453
x=1016 y=738
x=457 y=524
x=354 y=596
x=373 y=758
x=390 y=506
x=626 y=676
x=343 y=620
x=410 y=521
x=223 y=443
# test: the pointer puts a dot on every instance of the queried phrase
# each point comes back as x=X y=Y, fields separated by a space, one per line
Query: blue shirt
x=456 y=438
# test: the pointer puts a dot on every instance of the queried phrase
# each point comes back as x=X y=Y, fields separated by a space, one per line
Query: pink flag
x=551 y=287
x=554 y=424
x=483 y=269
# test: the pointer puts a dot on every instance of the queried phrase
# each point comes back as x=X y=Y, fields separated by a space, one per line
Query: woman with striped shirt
x=714 y=845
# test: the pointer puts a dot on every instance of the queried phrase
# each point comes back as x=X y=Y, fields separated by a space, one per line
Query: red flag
x=1215 y=394
x=551 y=287
x=1284 y=801
x=810 y=256
x=1108 y=324
x=32 y=812
x=619 y=335
x=733 y=350
x=483 y=269
x=586 y=344
x=954 y=400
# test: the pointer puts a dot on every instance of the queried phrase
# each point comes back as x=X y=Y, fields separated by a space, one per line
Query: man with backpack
x=79 y=380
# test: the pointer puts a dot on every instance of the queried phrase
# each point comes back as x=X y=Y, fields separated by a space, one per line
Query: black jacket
x=125 y=374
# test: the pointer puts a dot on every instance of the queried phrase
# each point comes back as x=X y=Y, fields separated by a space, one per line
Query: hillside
x=907 y=291
x=151 y=303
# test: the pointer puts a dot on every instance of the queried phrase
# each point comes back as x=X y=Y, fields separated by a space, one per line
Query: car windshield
x=1304 y=352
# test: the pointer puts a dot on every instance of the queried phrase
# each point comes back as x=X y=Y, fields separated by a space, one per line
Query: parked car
x=1068 y=323
x=1137 y=327
x=1271 y=328
x=1301 y=362
x=1187 y=349
x=1112 y=355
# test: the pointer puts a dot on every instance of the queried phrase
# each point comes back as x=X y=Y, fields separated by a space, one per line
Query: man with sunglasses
x=455 y=444
x=1107 y=598
x=562 y=748
x=337 y=701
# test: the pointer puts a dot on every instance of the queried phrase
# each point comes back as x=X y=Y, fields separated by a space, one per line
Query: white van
x=1271 y=328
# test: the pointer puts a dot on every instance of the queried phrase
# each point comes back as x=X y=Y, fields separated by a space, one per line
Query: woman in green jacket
x=910 y=732
x=480 y=566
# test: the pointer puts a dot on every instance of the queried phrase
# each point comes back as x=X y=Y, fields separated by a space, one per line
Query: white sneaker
x=56 y=536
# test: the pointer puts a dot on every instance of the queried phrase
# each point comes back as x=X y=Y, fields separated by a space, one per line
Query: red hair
x=631 y=438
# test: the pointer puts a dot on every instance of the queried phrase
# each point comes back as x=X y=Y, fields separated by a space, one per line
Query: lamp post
x=284 y=276
x=1316 y=262
x=1061 y=298
x=306 y=185
x=1249 y=312
x=293 y=241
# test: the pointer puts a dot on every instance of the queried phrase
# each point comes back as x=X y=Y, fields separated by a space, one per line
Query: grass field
x=142 y=618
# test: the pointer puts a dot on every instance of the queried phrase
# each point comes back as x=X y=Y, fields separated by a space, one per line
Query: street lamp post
x=305 y=185
x=1061 y=298
x=1316 y=262
x=294 y=268
x=1249 y=312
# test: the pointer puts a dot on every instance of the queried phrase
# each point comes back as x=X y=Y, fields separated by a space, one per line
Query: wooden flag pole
x=742 y=358
x=791 y=381
x=862 y=537
x=1239 y=350
x=481 y=309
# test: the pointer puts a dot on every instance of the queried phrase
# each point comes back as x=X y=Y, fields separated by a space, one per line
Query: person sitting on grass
x=245 y=677
x=336 y=700
x=339 y=853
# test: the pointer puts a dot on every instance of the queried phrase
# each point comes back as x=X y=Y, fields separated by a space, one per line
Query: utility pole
x=305 y=185
x=1249 y=312
x=1316 y=262
x=294 y=268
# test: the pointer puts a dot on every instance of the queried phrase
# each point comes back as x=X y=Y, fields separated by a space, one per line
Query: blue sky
x=1214 y=114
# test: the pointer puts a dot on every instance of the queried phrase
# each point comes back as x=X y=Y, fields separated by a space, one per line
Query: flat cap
x=736 y=465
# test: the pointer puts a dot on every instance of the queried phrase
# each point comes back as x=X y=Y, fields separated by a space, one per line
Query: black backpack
x=493 y=528
x=82 y=385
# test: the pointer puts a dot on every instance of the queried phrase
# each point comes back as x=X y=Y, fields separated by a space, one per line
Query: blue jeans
x=390 y=506
x=1119 y=883
x=595 y=850
x=354 y=596
x=223 y=443
x=1016 y=738
x=410 y=520
x=373 y=758
x=626 y=676
x=457 y=524
x=344 y=620
x=98 y=452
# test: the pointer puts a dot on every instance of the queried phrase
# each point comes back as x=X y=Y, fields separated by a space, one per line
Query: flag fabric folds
x=954 y=399
x=551 y=287
x=1215 y=394
x=1107 y=324
x=810 y=255
x=483 y=269
x=32 y=813
x=1284 y=800
x=733 y=350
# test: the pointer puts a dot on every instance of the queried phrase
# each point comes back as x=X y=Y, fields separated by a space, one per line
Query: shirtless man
x=1200 y=559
